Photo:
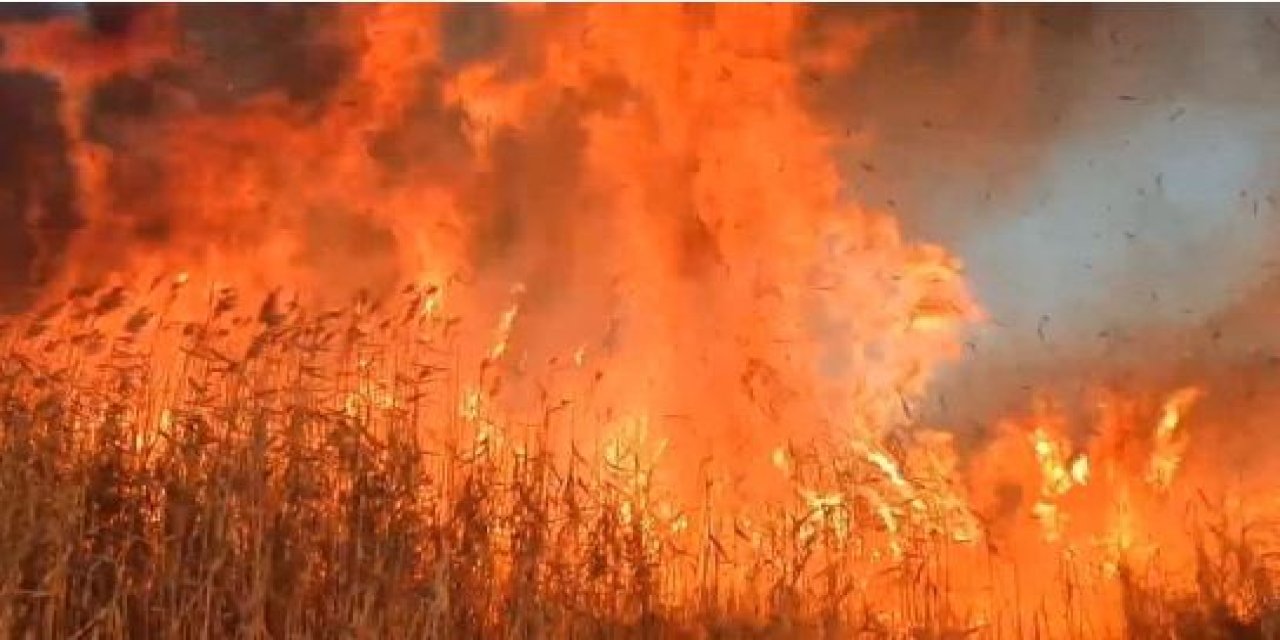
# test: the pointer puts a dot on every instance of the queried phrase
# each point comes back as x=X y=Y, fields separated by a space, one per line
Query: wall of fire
x=1106 y=173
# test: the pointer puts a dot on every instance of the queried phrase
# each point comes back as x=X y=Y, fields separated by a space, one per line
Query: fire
x=607 y=264
x=1169 y=447
x=676 y=213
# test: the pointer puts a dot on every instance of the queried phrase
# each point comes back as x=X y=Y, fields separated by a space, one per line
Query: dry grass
x=284 y=474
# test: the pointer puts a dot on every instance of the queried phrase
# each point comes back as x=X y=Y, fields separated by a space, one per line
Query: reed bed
x=268 y=471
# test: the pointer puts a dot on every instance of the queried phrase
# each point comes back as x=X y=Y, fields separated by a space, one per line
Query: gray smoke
x=1106 y=173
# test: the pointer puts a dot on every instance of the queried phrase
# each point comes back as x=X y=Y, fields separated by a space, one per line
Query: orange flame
x=649 y=175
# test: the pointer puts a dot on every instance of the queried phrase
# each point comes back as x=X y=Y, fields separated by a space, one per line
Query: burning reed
x=268 y=471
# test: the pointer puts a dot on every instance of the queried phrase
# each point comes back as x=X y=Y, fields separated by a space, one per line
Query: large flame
x=648 y=179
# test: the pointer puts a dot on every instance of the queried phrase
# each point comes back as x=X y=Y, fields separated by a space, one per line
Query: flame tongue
x=1169 y=444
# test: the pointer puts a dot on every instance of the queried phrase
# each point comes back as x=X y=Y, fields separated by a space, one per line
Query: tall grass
x=272 y=472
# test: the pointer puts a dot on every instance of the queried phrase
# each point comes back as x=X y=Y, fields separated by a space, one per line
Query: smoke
x=1106 y=174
